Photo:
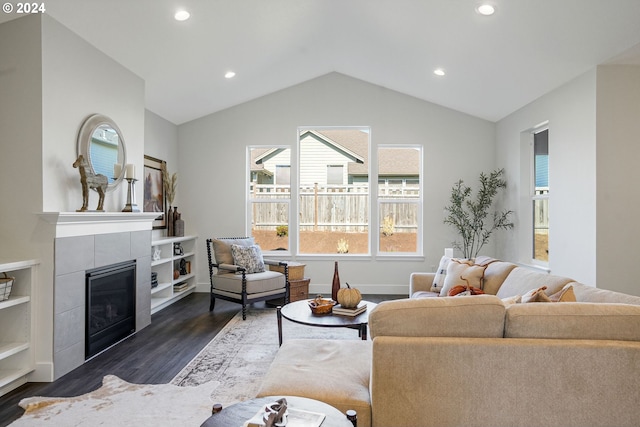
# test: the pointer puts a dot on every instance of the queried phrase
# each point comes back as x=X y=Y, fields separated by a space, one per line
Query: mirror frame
x=87 y=129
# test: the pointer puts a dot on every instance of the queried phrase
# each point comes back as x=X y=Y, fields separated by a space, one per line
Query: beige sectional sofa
x=476 y=361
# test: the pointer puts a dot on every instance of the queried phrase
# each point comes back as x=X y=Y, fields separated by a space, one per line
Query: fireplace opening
x=110 y=307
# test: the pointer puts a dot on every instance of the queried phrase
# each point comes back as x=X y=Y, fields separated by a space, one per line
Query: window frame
x=250 y=200
x=374 y=203
x=298 y=254
x=379 y=201
x=534 y=197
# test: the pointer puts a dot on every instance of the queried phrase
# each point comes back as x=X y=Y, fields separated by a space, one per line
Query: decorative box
x=296 y=270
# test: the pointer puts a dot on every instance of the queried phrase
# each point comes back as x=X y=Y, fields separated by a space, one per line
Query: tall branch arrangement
x=170 y=183
x=471 y=217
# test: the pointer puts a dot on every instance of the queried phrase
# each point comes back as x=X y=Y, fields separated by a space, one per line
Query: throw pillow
x=535 y=295
x=248 y=257
x=565 y=294
x=438 y=280
x=462 y=272
x=512 y=300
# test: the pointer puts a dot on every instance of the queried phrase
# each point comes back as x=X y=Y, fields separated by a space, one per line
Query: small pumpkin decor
x=349 y=297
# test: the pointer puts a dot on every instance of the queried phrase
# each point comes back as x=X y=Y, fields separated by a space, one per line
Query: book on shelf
x=338 y=309
x=180 y=286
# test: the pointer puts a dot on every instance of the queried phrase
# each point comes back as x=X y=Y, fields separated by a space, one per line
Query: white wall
x=161 y=142
x=77 y=81
x=571 y=113
x=618 y=185
x=213 y=155
x=21 y=135
x=50 y=81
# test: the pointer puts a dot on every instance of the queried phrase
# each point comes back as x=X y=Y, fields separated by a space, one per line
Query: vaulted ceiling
x=494 y=64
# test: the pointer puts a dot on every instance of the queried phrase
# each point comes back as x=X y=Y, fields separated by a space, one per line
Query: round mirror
x=102 y=145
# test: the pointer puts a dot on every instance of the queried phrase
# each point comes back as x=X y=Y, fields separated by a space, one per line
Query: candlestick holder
x=131 y=196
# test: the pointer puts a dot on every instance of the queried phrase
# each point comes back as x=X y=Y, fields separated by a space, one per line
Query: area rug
x=228 y=370
x=241 y=353
x=119 y=403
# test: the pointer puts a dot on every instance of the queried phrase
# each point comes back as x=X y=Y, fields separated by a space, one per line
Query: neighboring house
x=332 y=157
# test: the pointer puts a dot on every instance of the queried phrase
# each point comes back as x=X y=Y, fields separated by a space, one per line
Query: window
x=540 y=196
x=335 y=174
x=104 y=151
x=283 y=174
x=270 y=196
x=333 y=191
x=399 y=199
x=338 y=193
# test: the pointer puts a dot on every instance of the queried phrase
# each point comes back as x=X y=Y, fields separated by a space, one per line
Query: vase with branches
x=169 y=182
x=472 y=217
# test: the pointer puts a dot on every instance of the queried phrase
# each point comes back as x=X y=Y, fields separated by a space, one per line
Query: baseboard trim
x=378 y=289
x=314 y=289
x=42 y=374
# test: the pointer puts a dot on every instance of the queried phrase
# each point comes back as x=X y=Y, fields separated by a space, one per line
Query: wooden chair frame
x=244 y=300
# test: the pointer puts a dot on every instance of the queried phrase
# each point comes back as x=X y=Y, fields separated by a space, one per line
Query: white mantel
x=69 y=224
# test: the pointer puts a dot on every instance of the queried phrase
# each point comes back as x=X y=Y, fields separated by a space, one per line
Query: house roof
x=495 y=65
x=353 y=143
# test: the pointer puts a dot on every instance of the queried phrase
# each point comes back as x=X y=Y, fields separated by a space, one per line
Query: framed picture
x=154 y=198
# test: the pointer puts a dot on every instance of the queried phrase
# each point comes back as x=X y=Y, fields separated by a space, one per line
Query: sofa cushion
x=462 y=272
x=521 y=280
x=586 y=293
x=438 y=279
x=336 y=372
x=248 y=257
x=573 y=320
x=495 y=274
x=472 y=316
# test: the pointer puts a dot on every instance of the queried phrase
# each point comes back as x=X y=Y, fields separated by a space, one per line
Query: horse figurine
x=89 y=179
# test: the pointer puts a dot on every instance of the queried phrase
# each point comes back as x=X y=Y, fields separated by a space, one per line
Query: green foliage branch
x=471 y=216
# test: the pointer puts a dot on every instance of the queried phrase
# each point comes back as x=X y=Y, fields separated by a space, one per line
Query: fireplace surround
x=85 y=241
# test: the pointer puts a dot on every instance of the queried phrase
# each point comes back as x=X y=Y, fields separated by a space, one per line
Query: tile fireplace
x=84 y=242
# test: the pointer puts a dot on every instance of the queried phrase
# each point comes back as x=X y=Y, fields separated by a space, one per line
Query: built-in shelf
x=17 y=360
x=166 y=293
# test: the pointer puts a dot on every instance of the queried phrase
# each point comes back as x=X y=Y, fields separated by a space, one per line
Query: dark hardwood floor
x=154 y=355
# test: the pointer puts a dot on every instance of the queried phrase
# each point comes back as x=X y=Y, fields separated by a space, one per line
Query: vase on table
x=335 y=286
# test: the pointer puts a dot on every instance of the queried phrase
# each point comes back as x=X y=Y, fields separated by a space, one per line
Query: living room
x=52 y=78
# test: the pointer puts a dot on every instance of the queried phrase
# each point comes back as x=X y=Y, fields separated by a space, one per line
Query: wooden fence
x=334 y=208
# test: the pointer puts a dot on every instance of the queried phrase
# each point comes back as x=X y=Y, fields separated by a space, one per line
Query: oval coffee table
x=299 y=312
x=235 y=415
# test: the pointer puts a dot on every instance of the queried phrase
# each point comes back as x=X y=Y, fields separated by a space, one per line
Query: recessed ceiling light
x=486 y=9
x=182 y=15
x=439 y=72
x=230 y=74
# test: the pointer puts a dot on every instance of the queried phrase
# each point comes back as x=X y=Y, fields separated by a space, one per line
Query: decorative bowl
x=321 y=305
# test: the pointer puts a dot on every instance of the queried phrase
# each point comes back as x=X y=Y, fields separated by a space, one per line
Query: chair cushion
x=222 y=248
x=256 y=282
